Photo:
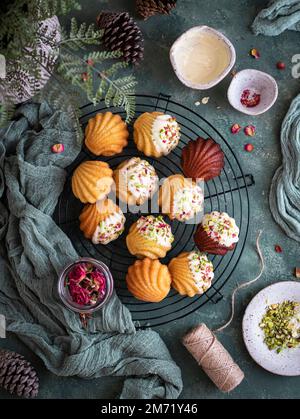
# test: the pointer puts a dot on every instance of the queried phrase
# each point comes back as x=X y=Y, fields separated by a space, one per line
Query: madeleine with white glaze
x=102 y=222
x=156 y=134
x=192 y=273
x=135 y=181
x=217 y=233
x=150 y=237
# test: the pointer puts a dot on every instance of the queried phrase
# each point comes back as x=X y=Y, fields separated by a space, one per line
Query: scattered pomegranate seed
x=278 y=249
x=249 y=147
x=235 y=129
x=281 y=65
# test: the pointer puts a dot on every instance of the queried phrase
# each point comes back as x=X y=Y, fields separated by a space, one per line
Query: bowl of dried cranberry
x=85 y=285
x=252 y=92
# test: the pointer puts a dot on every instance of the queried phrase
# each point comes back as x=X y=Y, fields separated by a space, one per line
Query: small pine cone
x=148 y=8
x=17 y=375
x=122 y=33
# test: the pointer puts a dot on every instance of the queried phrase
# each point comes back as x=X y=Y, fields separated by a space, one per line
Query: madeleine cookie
x=135 y=181
x=149 y=280
x=106 y=134
x=92 y=181
x=180 y=198
x=150 y=237
x=217 y=233
x=192 y=273
x=102 y=222
x=156 y=134
x=202 y=159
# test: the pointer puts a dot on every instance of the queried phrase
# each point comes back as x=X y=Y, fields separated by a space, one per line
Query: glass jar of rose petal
x=85 y=285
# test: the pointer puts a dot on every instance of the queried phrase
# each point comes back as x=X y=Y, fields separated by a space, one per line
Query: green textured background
x=155 y=74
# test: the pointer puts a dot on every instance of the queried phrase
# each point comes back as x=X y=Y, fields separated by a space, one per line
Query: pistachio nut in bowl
x=202 y=57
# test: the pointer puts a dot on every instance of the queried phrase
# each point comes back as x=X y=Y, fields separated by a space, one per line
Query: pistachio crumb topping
x=188 y=202
x=156 y=229
x=142 y=180
x=281 y=326
x=202 y=270
x=221 y=228
x=165 y=133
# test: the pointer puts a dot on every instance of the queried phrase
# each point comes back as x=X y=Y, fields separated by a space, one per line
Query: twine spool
x=210 y=353
x=213 y=358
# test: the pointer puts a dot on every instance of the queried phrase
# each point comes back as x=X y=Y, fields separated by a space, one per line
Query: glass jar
x=66 y=297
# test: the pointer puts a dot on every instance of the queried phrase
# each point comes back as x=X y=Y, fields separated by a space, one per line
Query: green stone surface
x=155 y=75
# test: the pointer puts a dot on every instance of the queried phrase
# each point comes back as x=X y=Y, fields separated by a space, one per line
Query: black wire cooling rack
x=228 y=192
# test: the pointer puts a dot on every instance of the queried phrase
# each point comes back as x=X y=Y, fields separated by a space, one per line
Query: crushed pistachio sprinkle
x=281 y=326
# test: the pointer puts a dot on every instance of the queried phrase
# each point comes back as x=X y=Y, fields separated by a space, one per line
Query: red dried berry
x=249 y=147
x=90 y=62
x=278 y=249
x=281 y=65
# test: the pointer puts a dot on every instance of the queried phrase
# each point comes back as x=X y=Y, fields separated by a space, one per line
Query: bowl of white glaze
x=256 y=84
x=202 y=57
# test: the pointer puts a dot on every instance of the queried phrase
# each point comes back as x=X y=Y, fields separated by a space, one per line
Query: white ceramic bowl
x=181 y=43
x=261 y=83
x=288 y=361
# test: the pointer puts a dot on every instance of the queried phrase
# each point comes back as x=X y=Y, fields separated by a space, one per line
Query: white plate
x=288 y=361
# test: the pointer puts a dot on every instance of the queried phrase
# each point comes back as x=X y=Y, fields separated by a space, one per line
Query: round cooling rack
x=227 y=193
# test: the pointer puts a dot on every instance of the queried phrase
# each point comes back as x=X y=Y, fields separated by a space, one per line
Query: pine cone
x=17 y=375
x=122 y=33
x=148 y=8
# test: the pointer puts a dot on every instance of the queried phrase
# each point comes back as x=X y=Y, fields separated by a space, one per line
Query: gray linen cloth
x=34 y=250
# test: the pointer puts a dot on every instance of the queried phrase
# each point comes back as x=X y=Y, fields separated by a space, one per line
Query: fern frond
x=6 y=114
x=80 y=36
x=99 y=56
x=48 y=8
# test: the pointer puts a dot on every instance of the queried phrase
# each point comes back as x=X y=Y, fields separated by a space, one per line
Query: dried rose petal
x=255 y=53
x=249 y=147
x=278 y=249
x=235 y=129
x=250 y=98
x=58 y=148
x=84 y=76
x=86 y=284
x=250 y=130
x=78 y=273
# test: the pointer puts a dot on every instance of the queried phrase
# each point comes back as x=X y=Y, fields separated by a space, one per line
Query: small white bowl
x=257 y=81
x=181 y=43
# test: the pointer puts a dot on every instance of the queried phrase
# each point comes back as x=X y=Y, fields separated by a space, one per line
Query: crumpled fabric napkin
x=285 y=188
x=34 y=250
x=279 y=16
